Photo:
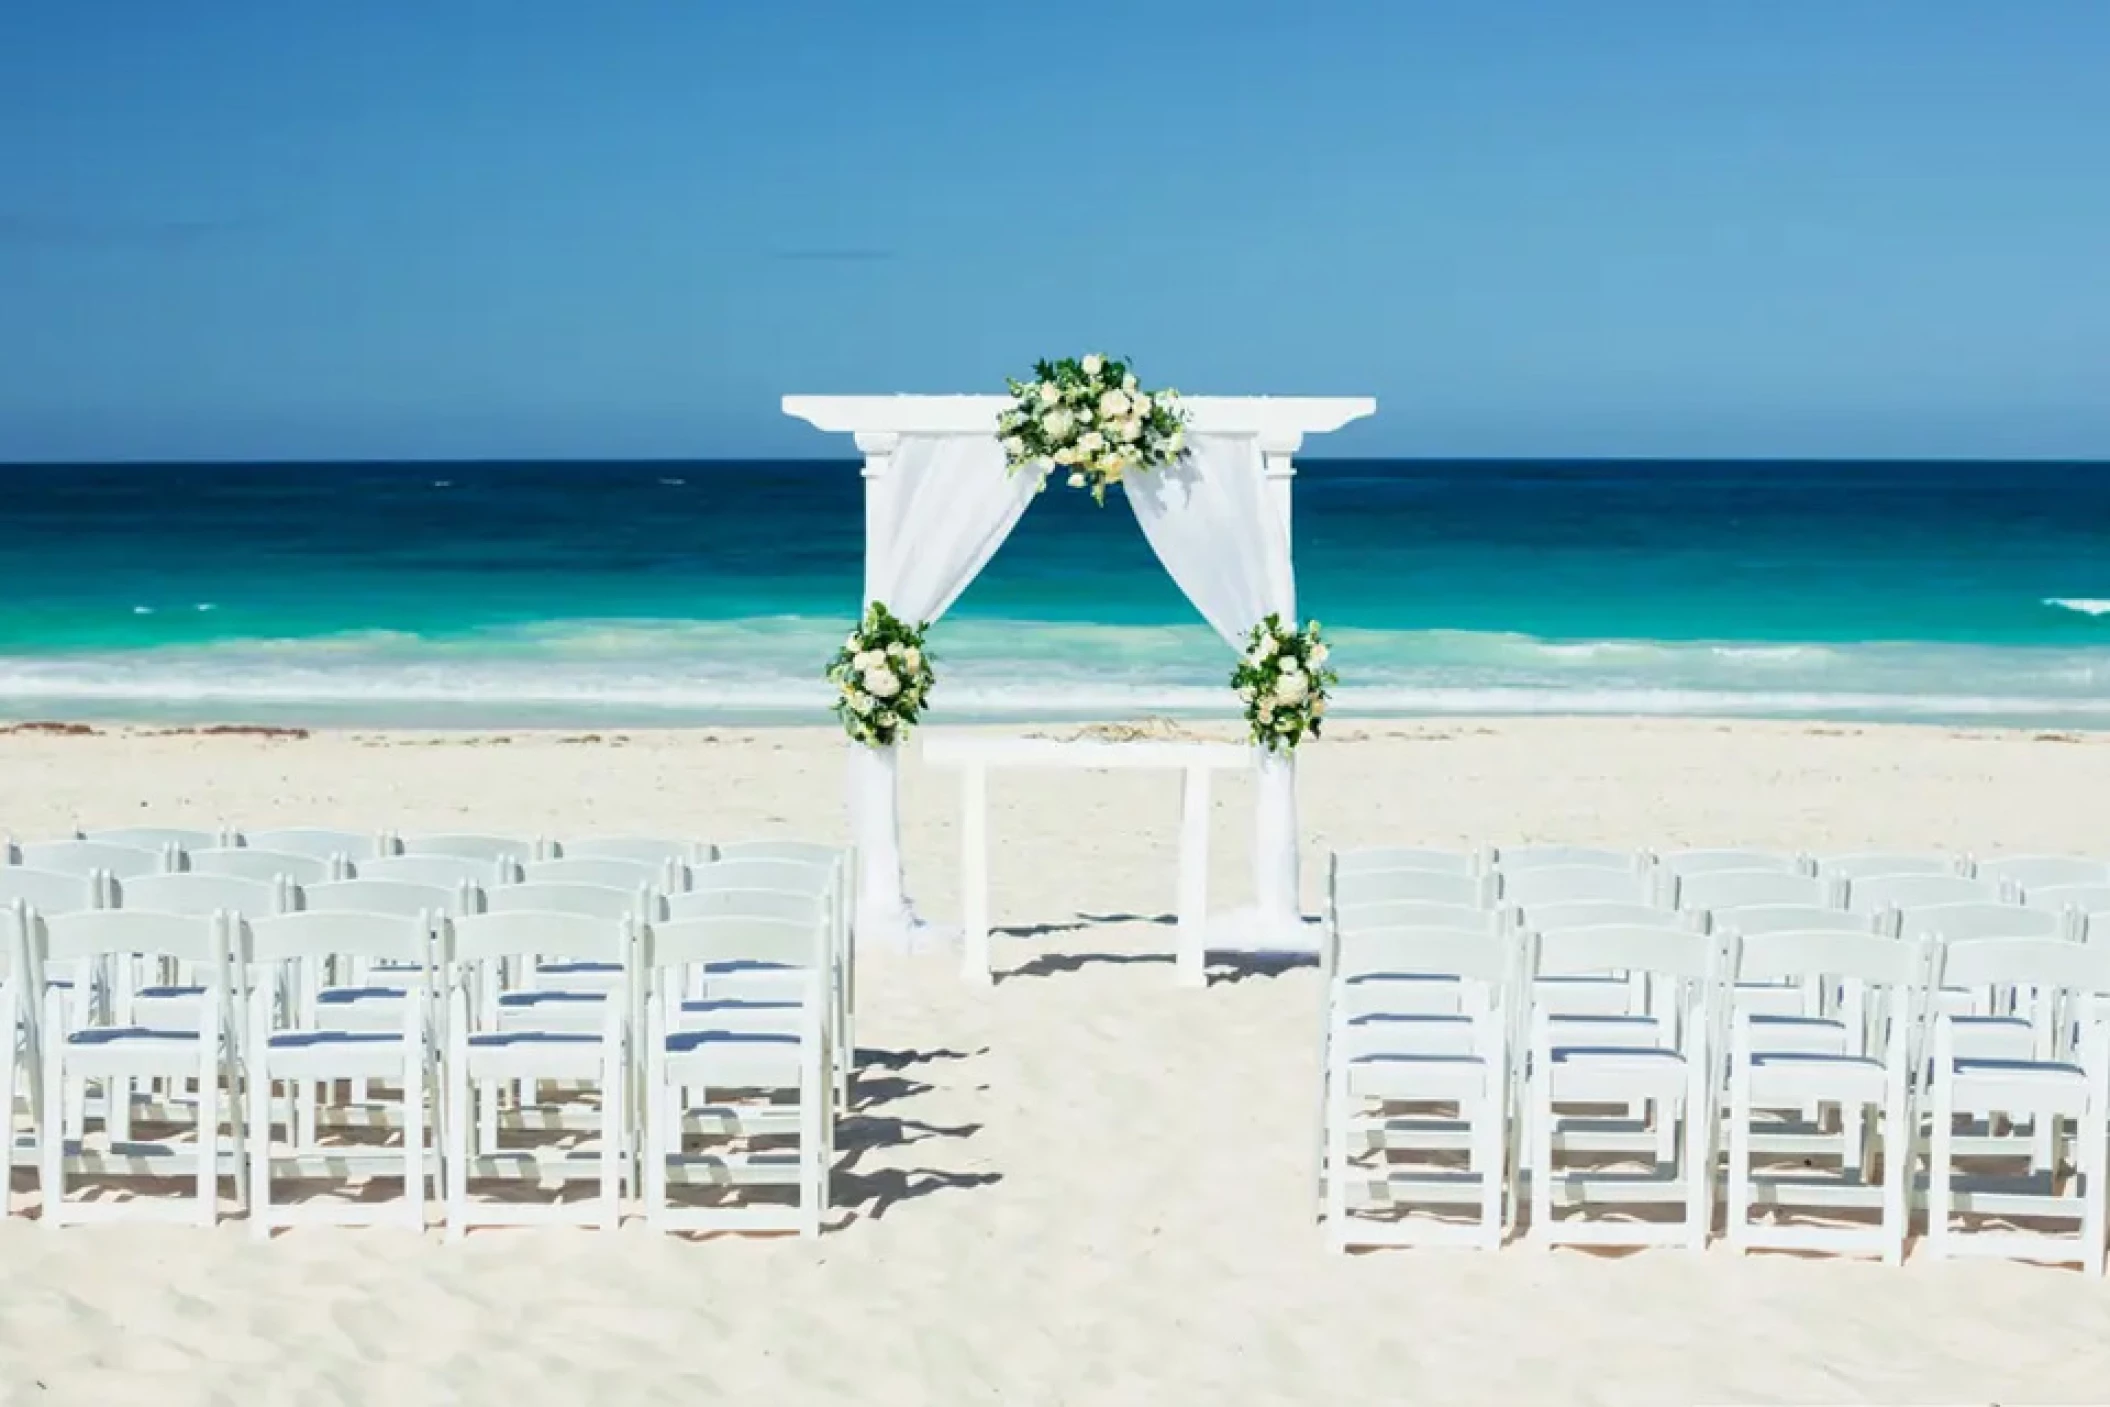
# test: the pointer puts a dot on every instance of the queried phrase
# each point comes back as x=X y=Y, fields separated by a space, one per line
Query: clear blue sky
x=526 y=227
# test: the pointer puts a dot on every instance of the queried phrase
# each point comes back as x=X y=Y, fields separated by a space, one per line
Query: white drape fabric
x=946 y=505
x=1213 y=524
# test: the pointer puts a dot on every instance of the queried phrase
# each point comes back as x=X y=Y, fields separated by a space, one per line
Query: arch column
x=1278 y=859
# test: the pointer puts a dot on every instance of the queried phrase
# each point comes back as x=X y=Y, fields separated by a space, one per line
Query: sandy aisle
x=1084 y=1186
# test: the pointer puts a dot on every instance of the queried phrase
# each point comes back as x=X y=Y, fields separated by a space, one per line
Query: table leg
x=1190 y=964
x=974 y=874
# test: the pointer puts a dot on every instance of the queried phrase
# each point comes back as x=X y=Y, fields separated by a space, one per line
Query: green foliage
x=1284 y=682
x=882 y=677
x=1089 y=417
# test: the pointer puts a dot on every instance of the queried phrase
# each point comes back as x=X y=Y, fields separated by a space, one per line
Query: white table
x=976 y=755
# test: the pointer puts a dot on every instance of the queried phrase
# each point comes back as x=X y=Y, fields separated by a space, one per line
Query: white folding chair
x=2029 y=872
x=86 y=857
x=761 y=1041
x=1874 y=893
x=482 y=1052
x=301 y=1046
x=118 y=1053
x=242 y=862
x=1746 y=889
x=444 y=871
x=1870 y=864
x=52 y=891
x=1408 y=857
x=157 y=838
x=1859 y=1059
x=350 y=847
x=19 y=1070
x=1668 y=1061
x=738 y=868
x=1686 y=864
x=2069 y=1079
x=2075 y=900
x=491 y=849
x=647 y=849
x=1577 y=884
x=1384 y=1052
x=1516 y=859
x=1352 y=889
x=613 y=872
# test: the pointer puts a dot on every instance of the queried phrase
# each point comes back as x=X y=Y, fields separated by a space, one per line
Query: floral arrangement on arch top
x=1089 y=416
x=1284 y=681
x=882 y=677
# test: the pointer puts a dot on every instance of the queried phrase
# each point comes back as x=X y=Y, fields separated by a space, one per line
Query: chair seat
x=570 y=1010
x=121 y=1050
x=1418 y=1076
x=735 y=1059
x=536 y=1054
x=1585 y=996
x=341 y=1054
x=1795 y=1076
x=1782 y=1034
x=2018 y=1086
x=1615 y=1072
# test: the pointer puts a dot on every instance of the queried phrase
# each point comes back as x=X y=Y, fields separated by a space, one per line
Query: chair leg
x=51 y=1138
x=1697 y=1167
x=455 y=1119
x=614 y=1121
x=813 y=1095
x=1899 y=1139
x=1490 y=1160
x=1736 y=1215
x=259 y=1152
x=414 y=1151
x=1941 y=1154
x=1539 y=1117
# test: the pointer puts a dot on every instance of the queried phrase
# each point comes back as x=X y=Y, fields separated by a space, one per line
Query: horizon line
x=290 y=462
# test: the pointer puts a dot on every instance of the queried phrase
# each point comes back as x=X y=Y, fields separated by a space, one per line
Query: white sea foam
x=769 y=669
x=2085 y=605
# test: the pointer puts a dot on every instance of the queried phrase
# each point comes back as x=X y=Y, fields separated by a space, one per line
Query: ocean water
x=628 y=594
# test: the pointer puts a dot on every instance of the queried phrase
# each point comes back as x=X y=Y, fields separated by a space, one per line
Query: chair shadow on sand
x=1223 y=967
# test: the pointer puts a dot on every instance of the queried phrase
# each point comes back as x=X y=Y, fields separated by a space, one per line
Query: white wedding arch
x=938 y=504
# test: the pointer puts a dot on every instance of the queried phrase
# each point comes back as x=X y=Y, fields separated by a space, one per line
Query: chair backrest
x=488 y=848
x=755 y=903
x=721 y=939
x=1598 y=913
x=1469 y=953
x=85 y=857
x=1606 y=949
x=243 y=863
x=1797 y=918
x=1743 y=889
x=1869 y=865
x=2086 y=898
x=1410 y=913
x=193 y=938
x=1688 y=863
x=2029 y=872
x=1830 y=953
x=2043 y=963
x=320 y=843
x=643 y=848
x=204 y=894
x=1913 y=891
x=812 y=852
x=398 y=938
x=537 y=933
x=1951 y=923
x=157 y=837
x=446 y=871
x=601 y=901
x=667 y=876
x=54 y=891
x=1519 y=858
x=1407 y=857
x=396 y=897
x=782 y=875
x=1365 y=887
x=1570 y=884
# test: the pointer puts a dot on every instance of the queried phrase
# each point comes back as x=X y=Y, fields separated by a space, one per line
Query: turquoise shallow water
x=633 y=594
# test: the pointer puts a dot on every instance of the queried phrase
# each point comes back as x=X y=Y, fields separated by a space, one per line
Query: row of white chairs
x=1724 y=879
x=1509 y=1010
x=531 y=1002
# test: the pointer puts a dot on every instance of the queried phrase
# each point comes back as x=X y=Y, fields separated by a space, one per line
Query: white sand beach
x=1084 y=1185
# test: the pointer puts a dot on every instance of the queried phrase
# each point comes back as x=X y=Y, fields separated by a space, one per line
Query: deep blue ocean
x=632 y=594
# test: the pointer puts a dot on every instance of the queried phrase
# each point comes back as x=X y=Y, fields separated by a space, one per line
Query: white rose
x=1141 y=404
x=1256 y=658
x=1290 y=665
x=895 y=649
x=1014 y=446
x=1093 y=364
x=1050 y=393
x=1291 y=689
x=1131 y=430
x=860 y=703
x=1128 y=383
x=1058 y=424
x=1318 y=654
x=850 y=641
x=881 y=683
x=1091 y=442
x=1268 y=646
x=912 y=657
x=1076 y=481
x=866 y=660
x=1113 y=405
x=1266 y=709
x=1066 y=456
x=1176 y=442
x=1246 y=693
